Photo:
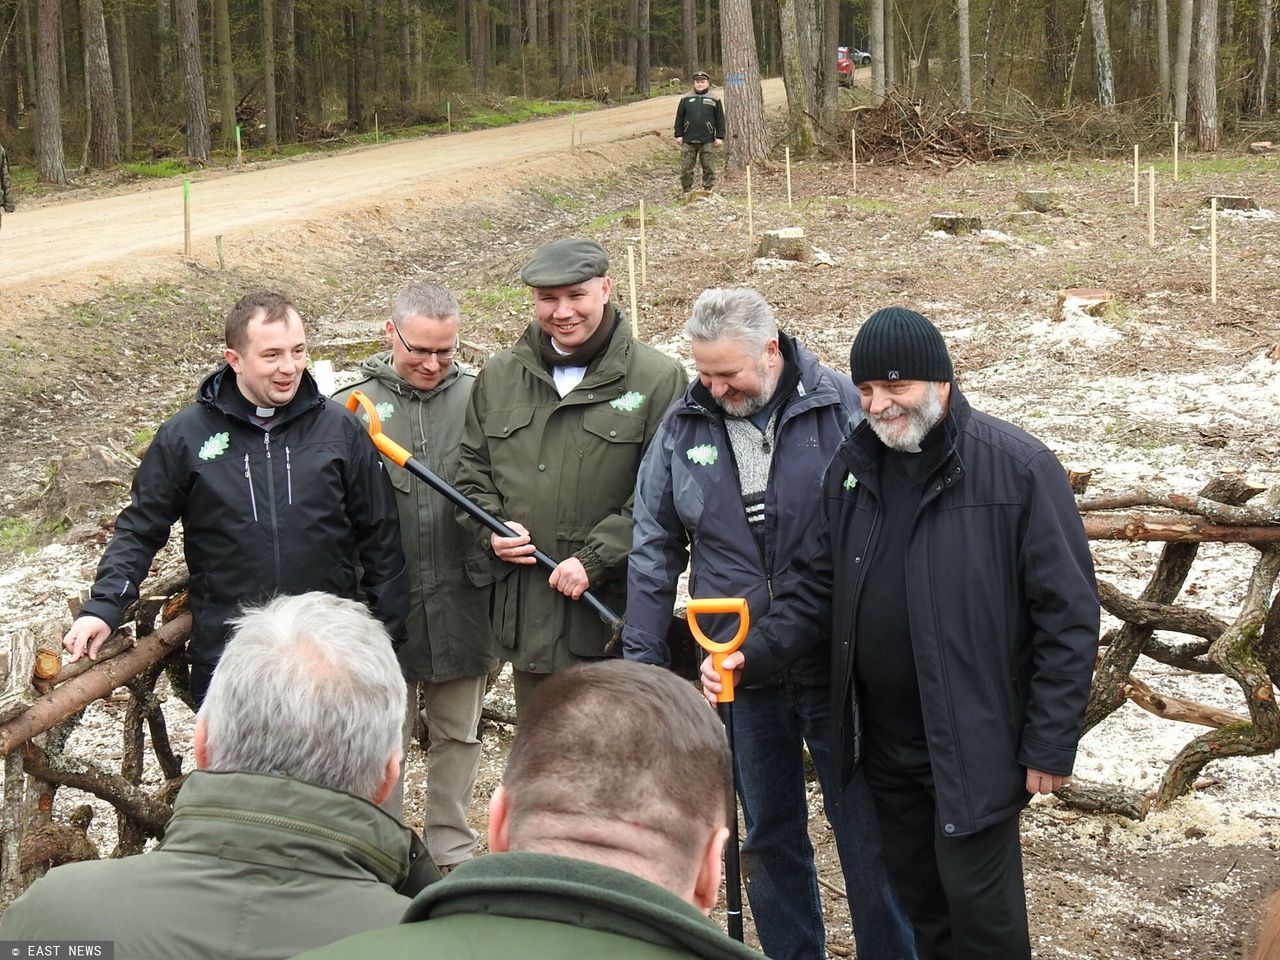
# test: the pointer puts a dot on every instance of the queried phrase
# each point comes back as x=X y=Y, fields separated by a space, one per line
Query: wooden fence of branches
x=40 y=704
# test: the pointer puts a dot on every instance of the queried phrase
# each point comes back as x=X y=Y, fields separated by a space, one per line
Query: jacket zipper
x=298 y=826
x=288 y=473
x=253 y=502
x=271 y=493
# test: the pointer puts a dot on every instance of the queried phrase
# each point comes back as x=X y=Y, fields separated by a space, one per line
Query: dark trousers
x=964 y=895
x=201 y=674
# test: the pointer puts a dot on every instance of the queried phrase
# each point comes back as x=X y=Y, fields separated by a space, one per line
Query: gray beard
x=753 y=405
x=919 y=421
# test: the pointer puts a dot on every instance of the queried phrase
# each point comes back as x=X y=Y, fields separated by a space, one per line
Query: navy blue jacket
x=1002 y=604
x=687 y=491
x=263 y=513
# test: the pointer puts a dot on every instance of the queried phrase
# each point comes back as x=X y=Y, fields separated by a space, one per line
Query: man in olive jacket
x=555 y=431
x=421 y=396
x=275 y=845
x=617 y=859
x=6 y=185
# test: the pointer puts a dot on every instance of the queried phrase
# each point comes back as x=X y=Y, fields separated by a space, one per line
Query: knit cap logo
x=629 y=402
x=894 y=375
x=215 y=446
x=704 y=455
x=850 y=481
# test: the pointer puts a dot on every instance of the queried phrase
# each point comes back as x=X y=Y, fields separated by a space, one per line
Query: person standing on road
x=6 y=184
x=279 y=491
x=421 y=395
x=735 y=471
x=963 y=633
x=699 y=129
x=555 y=430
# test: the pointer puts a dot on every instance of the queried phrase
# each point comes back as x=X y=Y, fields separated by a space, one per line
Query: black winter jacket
x=688 y=491
x=263 y=513
x=700 y=118
x=1002 y=604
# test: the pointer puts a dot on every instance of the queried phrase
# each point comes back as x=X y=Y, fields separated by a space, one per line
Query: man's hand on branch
x=86 y=635
x=1041 y=782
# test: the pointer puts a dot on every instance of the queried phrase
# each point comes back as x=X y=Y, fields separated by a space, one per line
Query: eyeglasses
x=421 y=353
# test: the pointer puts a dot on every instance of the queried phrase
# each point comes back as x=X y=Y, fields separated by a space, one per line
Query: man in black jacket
x=963 y=633
x=279 y=491
x=699 y=126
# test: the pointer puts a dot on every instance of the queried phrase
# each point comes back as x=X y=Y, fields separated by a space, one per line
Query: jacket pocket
x=501 y=424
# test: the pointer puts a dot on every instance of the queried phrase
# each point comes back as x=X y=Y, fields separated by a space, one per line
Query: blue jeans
x=770 y=726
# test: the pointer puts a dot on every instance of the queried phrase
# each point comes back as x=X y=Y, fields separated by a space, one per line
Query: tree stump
x=1263 y=147
x=1025 y=217
x=788 y=243
x=1040 y=201
x=956 y=224
x=1093 y=302
x=1232 y=202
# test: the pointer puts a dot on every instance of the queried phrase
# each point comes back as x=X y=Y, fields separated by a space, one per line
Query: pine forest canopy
x=172 y=77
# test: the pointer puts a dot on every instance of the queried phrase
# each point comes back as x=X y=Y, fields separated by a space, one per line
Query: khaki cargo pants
x=690 y=154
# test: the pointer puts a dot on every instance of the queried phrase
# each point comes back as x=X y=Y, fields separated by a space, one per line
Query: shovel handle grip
x=397 y=454
x=720 y=649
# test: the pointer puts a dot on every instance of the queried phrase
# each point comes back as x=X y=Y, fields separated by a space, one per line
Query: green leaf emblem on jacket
x=385 y=409
x=215 y=446
x=629 y=401
x=850 y=481
x=704 y=455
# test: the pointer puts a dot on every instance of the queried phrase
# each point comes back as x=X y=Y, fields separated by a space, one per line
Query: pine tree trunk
x=630 y=47
x=49 y=160
x=1182 y=62
x=478 y=42
x=193 y=79
x=689 y=37
x=1162 y=56
x=643 y=51
x=104 y=147
x=890 y=45
x=378 y=46
x=826 y=81
x=964 y=56
x=877 y=52
x=1102 y=54
x=288 y=113
x=124 y=81
x=226 y=75
x=406 y=54
x=799 y=91
x=269 y=70
x=1208 y=129
x=29 y=57
x=566 y=44
x=709 y=23
x=743 y=97
x=9 y=76
x=164 y=51
x=1264 y=56
x=1073 y=56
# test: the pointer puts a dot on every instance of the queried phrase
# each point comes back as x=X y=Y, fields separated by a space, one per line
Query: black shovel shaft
x=732 y=870
x=483 y=516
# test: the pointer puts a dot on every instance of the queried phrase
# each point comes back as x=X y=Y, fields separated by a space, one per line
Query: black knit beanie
x=899 y=344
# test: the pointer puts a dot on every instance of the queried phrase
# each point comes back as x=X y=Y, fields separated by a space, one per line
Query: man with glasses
x=421 y=396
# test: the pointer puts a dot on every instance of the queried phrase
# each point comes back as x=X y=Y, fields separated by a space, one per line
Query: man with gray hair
x=421 y=393
x=276 y=844
x=605 y=836
x=761 y=422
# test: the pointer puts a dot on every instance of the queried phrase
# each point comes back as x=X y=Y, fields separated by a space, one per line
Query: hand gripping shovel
x=399 y=455
x=718 y=651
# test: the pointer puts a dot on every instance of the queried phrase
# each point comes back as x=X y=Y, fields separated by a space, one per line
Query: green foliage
x=501 y=299
x=159 y=168
x=16 y=534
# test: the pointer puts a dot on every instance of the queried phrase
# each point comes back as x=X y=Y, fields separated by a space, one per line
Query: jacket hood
x=218 y=391
x=378 y=367
x=542 y=887
x=328 y=831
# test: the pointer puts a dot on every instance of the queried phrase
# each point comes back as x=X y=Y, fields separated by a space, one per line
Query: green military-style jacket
x=448 y=613
x=540 y=907
x=566 y=469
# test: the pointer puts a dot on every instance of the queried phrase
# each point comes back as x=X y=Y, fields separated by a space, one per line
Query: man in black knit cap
x=963 y=633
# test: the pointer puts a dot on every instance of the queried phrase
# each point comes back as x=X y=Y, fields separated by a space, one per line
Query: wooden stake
x=631 y=270
x=644 y=260
x=1135 y=174
x=751 y=226
x=375 y=127
x=788 y=178
x=1213 y=250
x=217 y=242
x=239 y=151
x=1175 y=151
x=1151 y=206
x=186 y=216
x=448 y=116
x=853 y=144
x=573 y=130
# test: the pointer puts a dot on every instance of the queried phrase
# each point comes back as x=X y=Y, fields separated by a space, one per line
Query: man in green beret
x=555 y=430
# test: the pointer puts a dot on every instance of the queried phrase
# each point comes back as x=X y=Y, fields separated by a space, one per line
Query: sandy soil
x=1172 y=389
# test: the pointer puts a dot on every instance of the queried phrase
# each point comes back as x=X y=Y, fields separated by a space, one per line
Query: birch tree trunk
x=890 y=46
x=743 y=98
x=877 y=52
x=1182 y=62
x=966 y=65
x=226 y=74
x=1162 y=56
x=1264 y=56
x=193 y=79
x=49 y=160
x=104 y=144
x=1102 y=54
x=1207 y=125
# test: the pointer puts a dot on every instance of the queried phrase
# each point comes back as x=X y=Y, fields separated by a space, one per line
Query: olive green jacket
x=566 y=469
x=539 y=907
x=448 y=615
x=252 y=867
x=6 y=185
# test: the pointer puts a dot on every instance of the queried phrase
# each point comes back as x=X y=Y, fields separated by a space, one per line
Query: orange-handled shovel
x=720 y=650
x=399 y=455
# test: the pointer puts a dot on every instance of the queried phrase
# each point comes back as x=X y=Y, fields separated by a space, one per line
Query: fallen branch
x=1160 y=616
x=1201 y=506
x=1104 y=798
x=150 y=814
x=1135 y=526
x=1176 y=708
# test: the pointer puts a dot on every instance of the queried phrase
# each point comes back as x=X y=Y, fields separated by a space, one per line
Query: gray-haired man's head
x=735 y=347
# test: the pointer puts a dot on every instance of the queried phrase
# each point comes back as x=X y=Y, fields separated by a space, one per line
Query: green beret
x=565 y=262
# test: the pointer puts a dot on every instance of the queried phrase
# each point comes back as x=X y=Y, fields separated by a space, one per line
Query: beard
x=903 y=428
x=751 y=405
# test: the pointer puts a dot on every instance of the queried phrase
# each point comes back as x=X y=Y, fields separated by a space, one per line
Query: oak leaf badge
x=704 y=455
x=215 y=446
x=630 y=402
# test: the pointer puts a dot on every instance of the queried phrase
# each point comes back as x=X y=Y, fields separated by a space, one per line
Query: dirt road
x=115 y=237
